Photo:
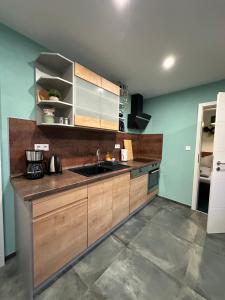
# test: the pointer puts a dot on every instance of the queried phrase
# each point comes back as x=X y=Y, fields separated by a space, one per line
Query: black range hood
x=137 y=119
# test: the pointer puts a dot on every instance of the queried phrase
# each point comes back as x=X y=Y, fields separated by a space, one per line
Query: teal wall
x=17 y=54
x=175 y=115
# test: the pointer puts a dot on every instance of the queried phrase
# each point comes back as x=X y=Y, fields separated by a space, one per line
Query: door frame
x=2 y=253
x=201 y=108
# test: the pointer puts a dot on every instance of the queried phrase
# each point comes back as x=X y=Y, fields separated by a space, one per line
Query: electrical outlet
x=43 y=147
x=188 y=148
x=117 y=146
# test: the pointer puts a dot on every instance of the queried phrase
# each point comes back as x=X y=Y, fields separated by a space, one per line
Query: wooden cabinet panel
x=120 y=194
x=111 y=87
x=138 y=191
x=111 y=125
x=99 y=209
x=57 y=238
x=55 y=201
x=153 y=194
x=87 y=74
x=87 y=121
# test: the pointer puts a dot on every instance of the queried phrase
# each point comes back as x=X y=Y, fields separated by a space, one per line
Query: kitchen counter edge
x=53 y=184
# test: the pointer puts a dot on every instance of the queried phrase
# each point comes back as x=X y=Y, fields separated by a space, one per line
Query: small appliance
x=55 y=166
x=35 y=165
x=124 y=155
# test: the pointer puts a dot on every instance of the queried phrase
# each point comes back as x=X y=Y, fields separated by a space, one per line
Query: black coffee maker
x=35 y=165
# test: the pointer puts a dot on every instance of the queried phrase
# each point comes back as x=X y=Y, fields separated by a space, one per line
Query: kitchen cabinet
x=54 y=72
x=99 y=209
x=111 y=87
x=88 y=75
x=121 y=199
x=87 y=104
x=59 y=231
x=138 y=192
x=109 y=110
x=96 y=100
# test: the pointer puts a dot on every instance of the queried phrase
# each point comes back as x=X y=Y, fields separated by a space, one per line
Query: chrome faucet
x=98 y=155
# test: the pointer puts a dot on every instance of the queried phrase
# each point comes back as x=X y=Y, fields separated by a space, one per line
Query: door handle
x=219 y=163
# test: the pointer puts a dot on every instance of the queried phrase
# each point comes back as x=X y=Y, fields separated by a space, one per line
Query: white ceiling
x=129 y=44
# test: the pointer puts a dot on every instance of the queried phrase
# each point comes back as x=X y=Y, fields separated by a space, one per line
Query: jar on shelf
x=48 y=115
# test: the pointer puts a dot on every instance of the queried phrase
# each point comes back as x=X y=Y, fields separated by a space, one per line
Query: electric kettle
x=55 y=166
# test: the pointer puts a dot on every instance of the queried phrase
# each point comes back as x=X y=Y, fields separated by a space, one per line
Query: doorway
x=203 y=156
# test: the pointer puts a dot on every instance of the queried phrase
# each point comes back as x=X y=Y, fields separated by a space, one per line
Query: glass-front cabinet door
x=87 y=104
x=95 y=106
x=109 y=110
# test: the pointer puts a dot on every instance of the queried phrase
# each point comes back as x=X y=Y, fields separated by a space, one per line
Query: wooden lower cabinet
x=99 y=209
x=121 y=199
x=138 y=192
x=58 y=237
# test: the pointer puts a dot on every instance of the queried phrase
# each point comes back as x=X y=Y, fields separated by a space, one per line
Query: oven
x=153 y=180
x=153 y=174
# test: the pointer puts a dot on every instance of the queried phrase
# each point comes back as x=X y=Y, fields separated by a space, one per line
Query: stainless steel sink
x=97 y=169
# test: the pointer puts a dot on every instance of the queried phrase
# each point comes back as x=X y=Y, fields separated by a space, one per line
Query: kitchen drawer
x=49 y=203
x=138 y=192
x=58 y=237
x=139 y=172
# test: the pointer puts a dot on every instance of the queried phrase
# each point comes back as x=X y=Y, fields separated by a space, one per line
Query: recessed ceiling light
x=121 y=4
x=169 y=62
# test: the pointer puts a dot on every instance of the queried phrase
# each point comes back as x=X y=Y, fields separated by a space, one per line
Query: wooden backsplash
x=75 y=146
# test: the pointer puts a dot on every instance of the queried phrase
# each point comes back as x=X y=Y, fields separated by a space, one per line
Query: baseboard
x=180 y=203
x=10 y=256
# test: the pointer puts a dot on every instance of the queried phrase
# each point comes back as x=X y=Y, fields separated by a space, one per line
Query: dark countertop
x=34 y=189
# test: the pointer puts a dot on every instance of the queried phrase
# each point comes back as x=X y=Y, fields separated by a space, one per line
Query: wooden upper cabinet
x=99 y=209
x=111 y=87
x=88 y=75
x=138 y=192
x=96 y=79
x=120 y=206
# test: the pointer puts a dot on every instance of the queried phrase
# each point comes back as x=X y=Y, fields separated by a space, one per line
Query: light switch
x=188 y=148
x=117 y=146
x=43 y=147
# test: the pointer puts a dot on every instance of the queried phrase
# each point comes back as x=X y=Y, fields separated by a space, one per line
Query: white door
x=216 y=214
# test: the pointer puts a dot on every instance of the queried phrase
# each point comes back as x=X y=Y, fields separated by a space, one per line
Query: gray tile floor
x=163 y=252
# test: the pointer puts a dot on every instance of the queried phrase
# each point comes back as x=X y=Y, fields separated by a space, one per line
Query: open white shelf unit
x=54 y=71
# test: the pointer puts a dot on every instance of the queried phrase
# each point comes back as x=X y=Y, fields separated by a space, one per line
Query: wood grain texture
x=111 y=87
x=99 y=209
x=87 y=121
x=128 y=146
x=49 y=203
x=113 y=125
x=57 y=238
x=152 y=194
x=87 y=75
x=121 y=198
x=138 y=192
x=75 y=146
